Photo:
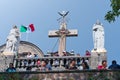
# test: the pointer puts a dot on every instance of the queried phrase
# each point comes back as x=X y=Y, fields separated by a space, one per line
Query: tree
x=115 y=12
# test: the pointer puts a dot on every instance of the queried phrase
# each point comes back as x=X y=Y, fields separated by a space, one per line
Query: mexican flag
x=23 y=28
x=30 y=28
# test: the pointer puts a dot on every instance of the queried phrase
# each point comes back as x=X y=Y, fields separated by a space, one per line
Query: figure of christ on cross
x=62 y=33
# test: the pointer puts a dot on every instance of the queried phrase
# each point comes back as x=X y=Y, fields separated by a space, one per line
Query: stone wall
x=63 y=75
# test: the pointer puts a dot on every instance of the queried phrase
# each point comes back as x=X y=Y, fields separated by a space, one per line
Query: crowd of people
x=84 y=65
x=113 y=66
x=72 y=64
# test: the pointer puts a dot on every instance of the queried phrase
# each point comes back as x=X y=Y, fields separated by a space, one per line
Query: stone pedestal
x=97 y=56
x=7 y=58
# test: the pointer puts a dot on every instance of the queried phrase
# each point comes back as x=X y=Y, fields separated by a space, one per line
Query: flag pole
x=27 y=32
x=27 y=36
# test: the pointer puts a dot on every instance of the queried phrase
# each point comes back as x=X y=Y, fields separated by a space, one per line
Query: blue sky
x=44 y=14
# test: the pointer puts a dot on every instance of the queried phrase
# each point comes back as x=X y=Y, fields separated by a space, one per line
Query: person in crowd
x=78 y=62
x=25 y=63
x=114 y=65
x=38 y=63
x=72 y=53
x=56 y=63
x=48 y=65
x=72 y=65
x=67 y=67
x=29 y=55
x=56 y=54
x=87 y=60
x=85 y=65
x=82 y=60
x=87 y=53
x=80 y=67
x=103 y=66
x=11 y=68
x=29 y=67
x=64 y=53
x=65 y=62
x=35 y=55
x=34 y=62
x=43 y=66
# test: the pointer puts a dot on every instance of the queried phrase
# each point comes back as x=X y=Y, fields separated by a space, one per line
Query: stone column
x=97 y=56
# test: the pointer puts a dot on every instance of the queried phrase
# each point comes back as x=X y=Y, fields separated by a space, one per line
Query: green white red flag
x=30 y=28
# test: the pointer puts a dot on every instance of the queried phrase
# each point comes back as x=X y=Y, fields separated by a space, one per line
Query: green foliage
x=115 y=12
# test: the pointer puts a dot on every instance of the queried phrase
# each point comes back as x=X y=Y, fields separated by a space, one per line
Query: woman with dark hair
x=85 y=65
x=103 y=66
x=72 y=65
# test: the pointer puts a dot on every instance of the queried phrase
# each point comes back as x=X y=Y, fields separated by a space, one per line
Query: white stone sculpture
x=98 y=36
x=13 y=40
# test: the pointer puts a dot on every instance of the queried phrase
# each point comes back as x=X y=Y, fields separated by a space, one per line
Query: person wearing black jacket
x=114 y=65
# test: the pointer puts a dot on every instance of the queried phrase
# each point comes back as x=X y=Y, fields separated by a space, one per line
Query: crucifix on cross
x=62 y=33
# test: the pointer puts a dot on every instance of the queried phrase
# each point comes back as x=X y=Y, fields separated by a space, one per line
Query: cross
x=62 y=33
